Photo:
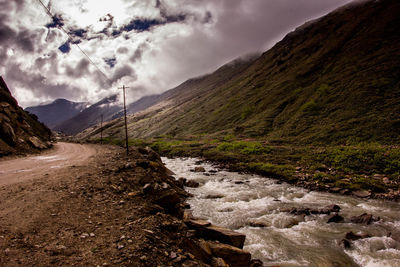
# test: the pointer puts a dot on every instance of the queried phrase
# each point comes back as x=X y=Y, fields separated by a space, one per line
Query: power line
x=71 y=38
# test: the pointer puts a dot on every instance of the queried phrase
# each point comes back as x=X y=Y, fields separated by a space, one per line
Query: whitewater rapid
x=242 y=201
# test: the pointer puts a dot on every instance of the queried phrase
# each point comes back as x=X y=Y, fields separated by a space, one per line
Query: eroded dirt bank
x=107 y=210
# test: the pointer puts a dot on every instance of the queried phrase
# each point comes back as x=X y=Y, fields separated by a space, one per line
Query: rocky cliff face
x=20 y=131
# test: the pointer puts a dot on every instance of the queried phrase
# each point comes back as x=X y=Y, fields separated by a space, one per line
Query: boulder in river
x=199 y=248
x=234 y=256
x=199 y=169
x=336 y=218
x=211 y=232
x=257 y=223
x=192 y=184
x=214 y=196
x=361 y=193
x=330 y=208
x=364 y=218
x=218 y=262
x=353 y=236
x=168 y=199
x=256 y=263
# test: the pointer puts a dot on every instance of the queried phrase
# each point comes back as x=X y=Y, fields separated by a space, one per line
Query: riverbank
x=366 y=170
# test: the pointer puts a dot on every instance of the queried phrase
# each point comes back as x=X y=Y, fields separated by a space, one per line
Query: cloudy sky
x=148 y=45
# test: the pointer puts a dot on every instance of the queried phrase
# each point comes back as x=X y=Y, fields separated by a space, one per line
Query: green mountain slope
x=333 y=80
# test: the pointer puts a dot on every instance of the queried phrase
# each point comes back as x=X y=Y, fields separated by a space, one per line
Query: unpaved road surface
x=61 y=156
x=83 y=205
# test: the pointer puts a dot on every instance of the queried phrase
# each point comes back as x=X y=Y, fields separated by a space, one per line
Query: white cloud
x=149 y=45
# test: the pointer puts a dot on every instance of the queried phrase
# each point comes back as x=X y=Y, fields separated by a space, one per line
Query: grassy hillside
x=288 y=112
x=333 y=80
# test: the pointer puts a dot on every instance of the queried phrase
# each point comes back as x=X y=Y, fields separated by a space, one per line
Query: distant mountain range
x=109 y=107
x=332 y=80
x=19 y=131
x=71 y=118
x=57 y=111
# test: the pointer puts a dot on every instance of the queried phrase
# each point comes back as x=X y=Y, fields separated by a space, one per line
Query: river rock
x=361 y=193
x=181 y=182
x=256 y=263
x=168 y=199
x=208 y=231
x=192 y=184
x=199 y=169
x=199 y=248
x=218 y=262
x=234 y=256
x=221 y=234
x=330 y=208
x=336 y=218
x=364 y=218
x=345 y=244
x=197 y=224
x=353 y=236
x=256 y=223
x=214 y=196
x=300 y=211
x=395 y=236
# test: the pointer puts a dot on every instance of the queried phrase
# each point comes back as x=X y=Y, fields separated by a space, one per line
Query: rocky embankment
x=198 y=242
x=19 y=131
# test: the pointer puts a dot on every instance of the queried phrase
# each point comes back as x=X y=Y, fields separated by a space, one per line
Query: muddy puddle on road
x=245 y=202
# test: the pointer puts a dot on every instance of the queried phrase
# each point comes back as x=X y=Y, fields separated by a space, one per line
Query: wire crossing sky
x=71 y=38
x=150 y=46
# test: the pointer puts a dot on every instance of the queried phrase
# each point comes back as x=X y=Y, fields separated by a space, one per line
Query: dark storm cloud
x=6 y=33
x=49 y=59
x=39 y=85
x=123 y=72
x=24 y=38
x=169 y=16
x=137 y=55
x=81 y=69
x=140 y=25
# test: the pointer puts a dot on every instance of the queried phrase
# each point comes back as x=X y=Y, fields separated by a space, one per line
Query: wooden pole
x=126 y=124
x=101 y=129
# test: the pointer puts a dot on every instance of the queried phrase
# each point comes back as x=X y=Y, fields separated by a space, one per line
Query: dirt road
x=61 y=156
x=82 y=205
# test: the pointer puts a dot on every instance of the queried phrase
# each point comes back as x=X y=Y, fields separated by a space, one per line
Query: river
x=237 y=201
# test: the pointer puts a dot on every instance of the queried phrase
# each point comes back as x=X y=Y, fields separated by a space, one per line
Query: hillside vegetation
x=333 y=80
x=320 y=109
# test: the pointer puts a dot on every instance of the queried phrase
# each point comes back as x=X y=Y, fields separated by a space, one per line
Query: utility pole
x=126 y=124
x=101 y=129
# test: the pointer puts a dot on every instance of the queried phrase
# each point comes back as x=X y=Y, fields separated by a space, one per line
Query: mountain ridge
x=334 y=80
x=57 y=111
